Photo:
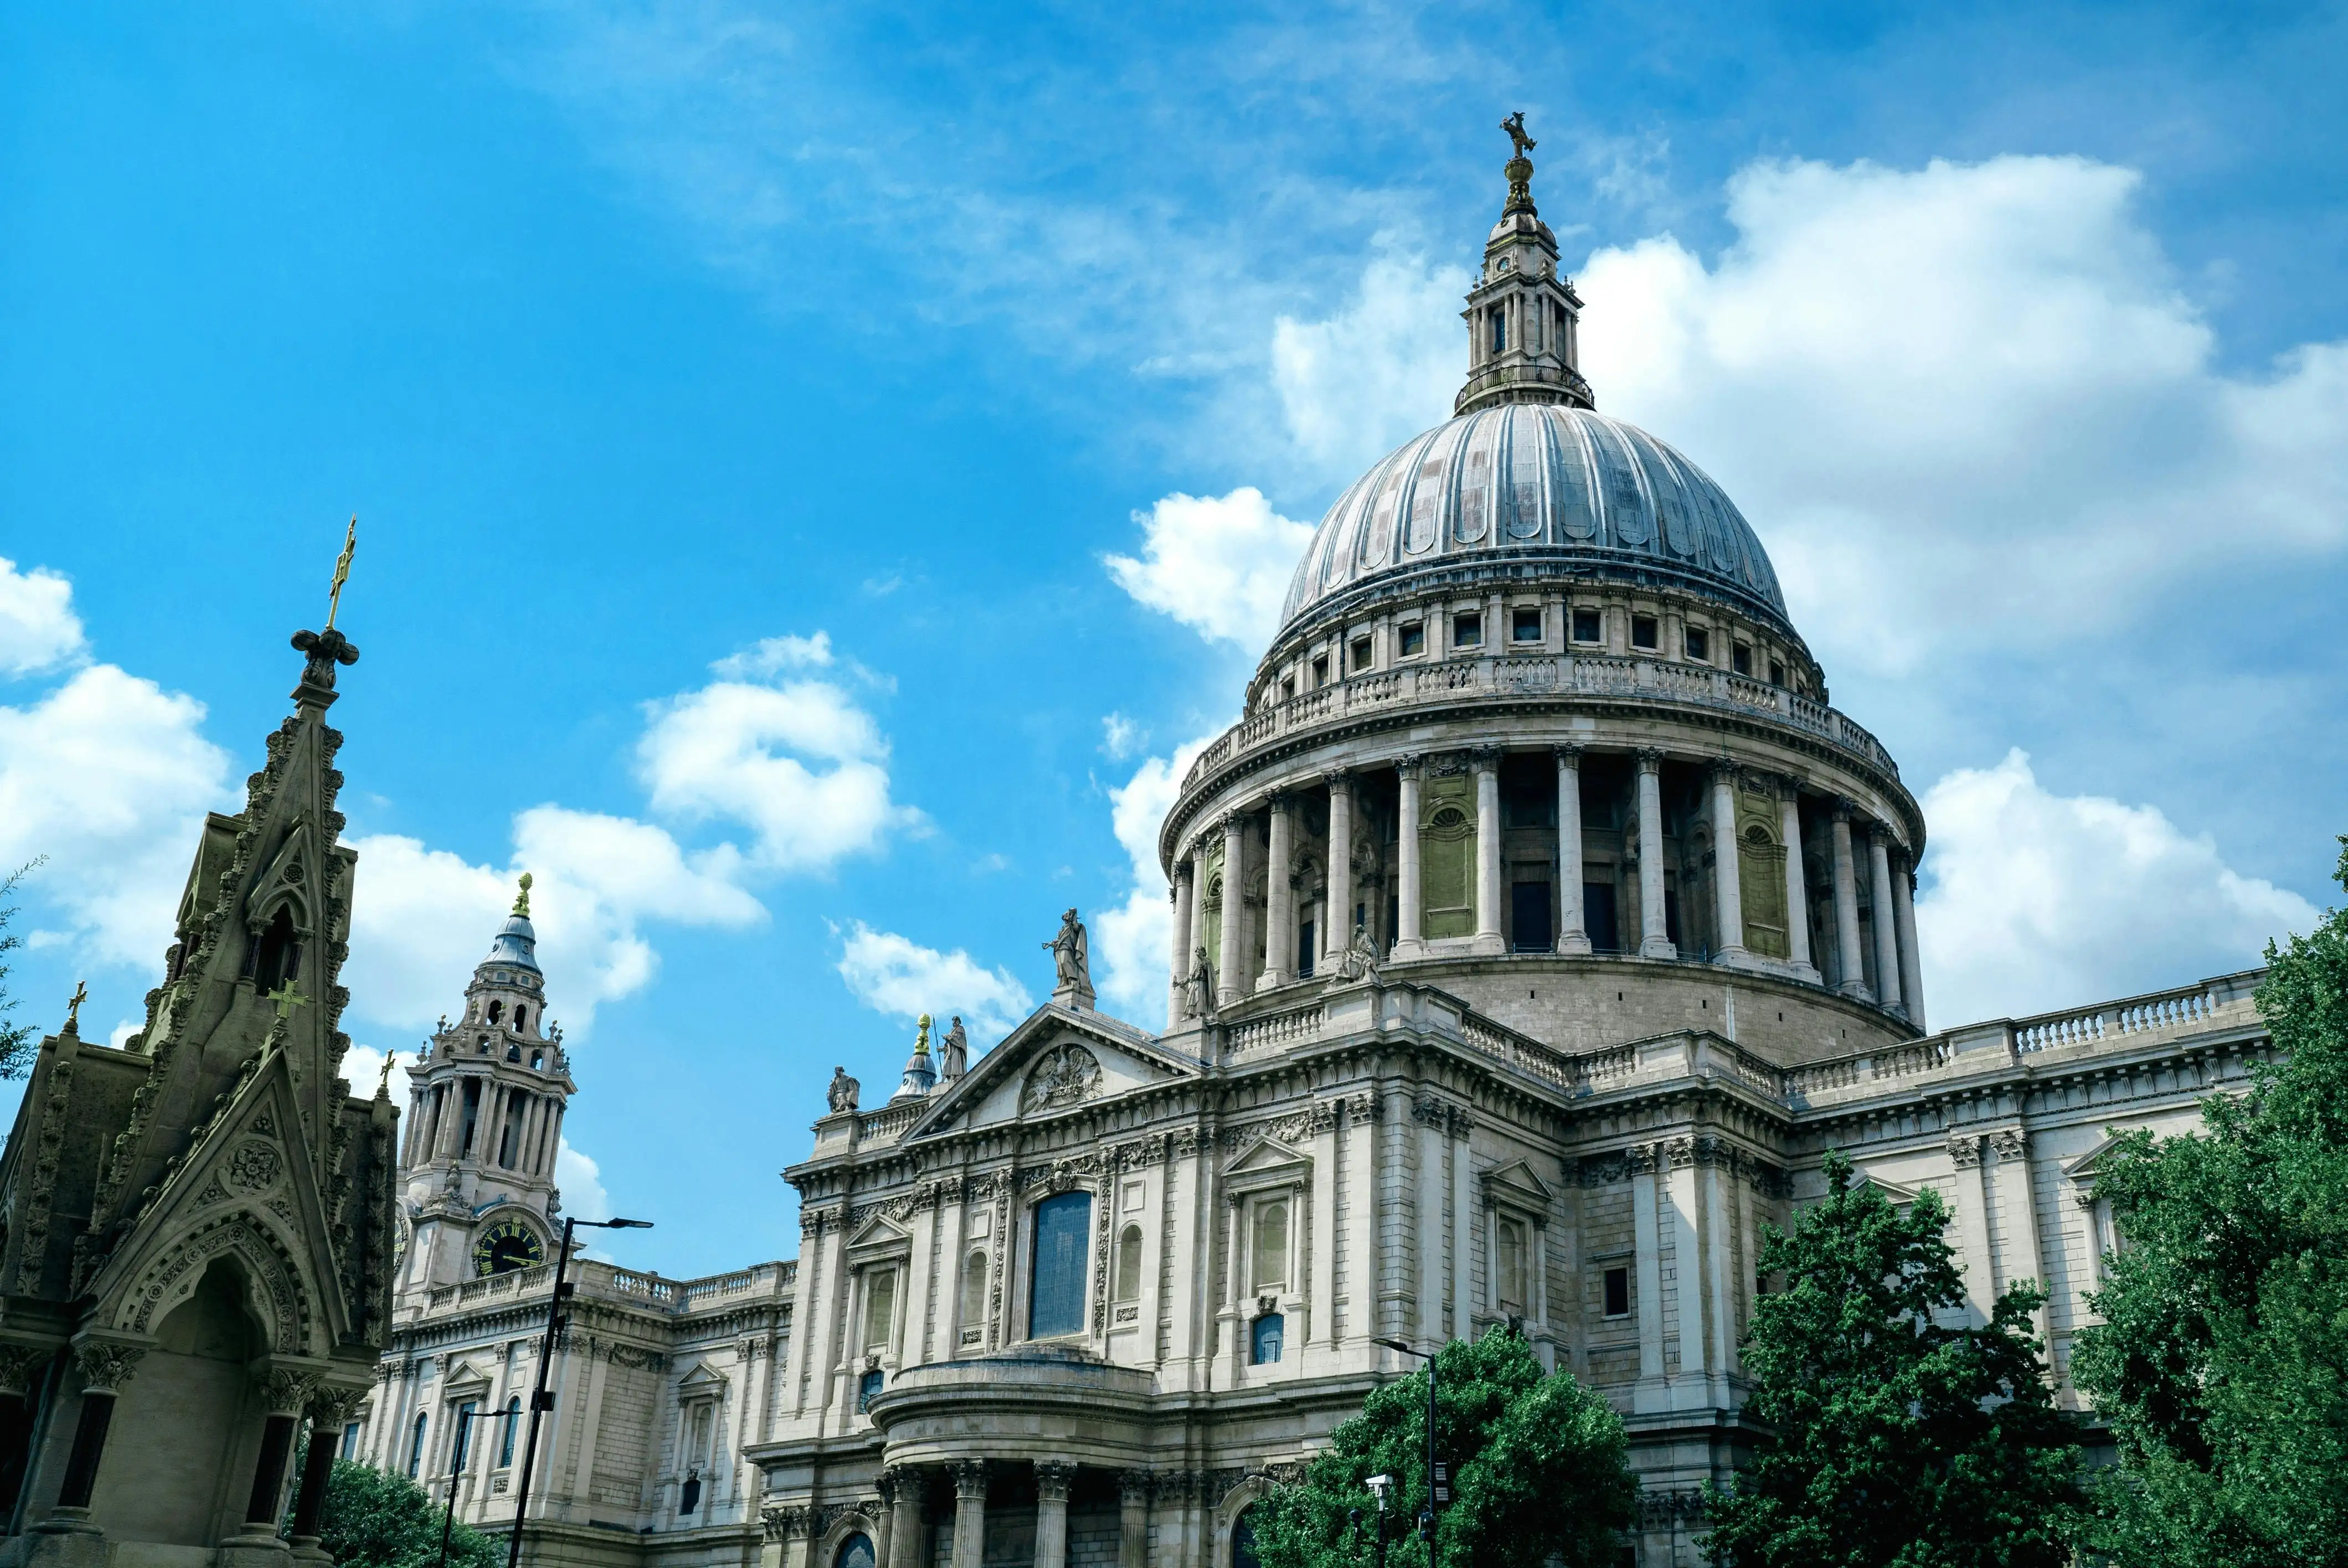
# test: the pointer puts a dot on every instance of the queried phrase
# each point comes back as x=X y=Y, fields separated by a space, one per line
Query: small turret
x=1523 y=317
x=921 y=1077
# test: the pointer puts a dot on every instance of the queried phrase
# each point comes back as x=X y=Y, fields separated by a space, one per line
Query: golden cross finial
x=383 y=1084
x=521 y=899
x=73 y=1007
x=287 y=998
x=342 y=571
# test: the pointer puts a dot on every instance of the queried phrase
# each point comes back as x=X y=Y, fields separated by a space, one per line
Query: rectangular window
x=1598 y=917
x=1699 y=644
x=1264 y=1337
x=1413 y=639
x=1321 y=672
x=1776 y=673
x=1288 y=689
x=464 y=1413
x=1525 y=624
x=1305 y=949
x=1055 y=1290
x=1529 y=910
x=1512 y=1265
x=1468 y=630
x=1740 y=659
x=1643 y=632
x=1618 y=1293
x=973 y=1297
x=1500 y=330
x=1268 y=1244
x=350 y=1439
x=1587 y=626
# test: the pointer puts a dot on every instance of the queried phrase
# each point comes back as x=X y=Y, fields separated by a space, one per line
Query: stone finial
x=1519 y=169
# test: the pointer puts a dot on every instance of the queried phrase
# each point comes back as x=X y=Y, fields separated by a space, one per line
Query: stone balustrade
x=1451 y=682
x=625 y=1287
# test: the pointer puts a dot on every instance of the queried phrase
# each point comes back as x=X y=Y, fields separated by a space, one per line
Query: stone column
x=1052 y=1479
x=970 y=1512
x=911 y=1490
x=1133 y=1519
x=1887 y=941
x=1727 y=874
x=105 y=1369
x=1573 y=925
x=1912 y=964
x=1230 y=975
x=283 y=1395
x=1279 y=899
x=1181 y=893
x=327 y=1413
x=1486 y=761
x=1846 y=894
x=1410 y=942
x=1654 y=941
x=1337 y=921
x=1797 y=892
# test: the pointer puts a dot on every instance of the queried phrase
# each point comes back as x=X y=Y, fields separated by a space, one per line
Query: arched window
x=416 y=1450
x=1243 y=1538
x=521 y=1018
x=880 y=1309
x=513 y=1053
x=1129 y=1264
x=1264 y=1337
x=1512 y=1292
x=1499 y=329
x=1056 y=1291
x=538 y=1059
x=1269 y=1247
x=496 y=1010
x=514 y=1422
x=350 y=1440
x=856 y=1552
x=974 y=1296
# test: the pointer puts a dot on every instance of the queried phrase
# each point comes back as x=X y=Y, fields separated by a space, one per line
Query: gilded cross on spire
x=287 y=998
x=73 y=1007
x=1519 y=169
x=343 y=565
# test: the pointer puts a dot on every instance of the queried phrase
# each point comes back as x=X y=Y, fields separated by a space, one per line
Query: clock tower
x=486 y=1100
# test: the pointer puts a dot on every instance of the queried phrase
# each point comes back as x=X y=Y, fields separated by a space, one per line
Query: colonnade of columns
x=1857 y=849
x=437 y=1128
x=906 y=1491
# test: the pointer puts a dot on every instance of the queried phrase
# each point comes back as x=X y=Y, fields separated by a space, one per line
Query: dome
x=1573 y=491
x=515 y=943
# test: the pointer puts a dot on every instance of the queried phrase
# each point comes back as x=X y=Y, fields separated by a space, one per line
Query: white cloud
x=38 y=628
x=362 y=1065
x=1121 y=737
x=1220 y=565
x=799 y=764
x=774 y=654
x=1356 y=384
x=580 y=1181
x=2035 y=901
x=1135 y=940
x=1964 y=403
x=422 y=918
x=894 y=974
x=108 y=775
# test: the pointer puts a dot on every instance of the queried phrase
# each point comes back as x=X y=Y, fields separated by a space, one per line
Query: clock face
x=507 y=1245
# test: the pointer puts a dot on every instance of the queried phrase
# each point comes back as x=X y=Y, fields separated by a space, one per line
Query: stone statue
x=1515 y=126
x=1198 y=987
x=1360 y=959
x=1072 y=980
x=842 y=1092
x=953 y=1051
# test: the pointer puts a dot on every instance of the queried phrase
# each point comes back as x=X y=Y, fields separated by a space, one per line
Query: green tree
x=1538 y=1464
x=1895 y=1438
x=2221 y=1364
x=374 y=1519
x=16 y=1039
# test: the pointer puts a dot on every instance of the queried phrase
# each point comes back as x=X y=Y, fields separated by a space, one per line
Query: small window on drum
x=1646 y=632
x=1359 y=656
x=1740 y=659
x=1525 y=624
x=1699 y=644
x=1776 y=673
x=1321 y=672
x=1264 y=1337
x=1588 y=626
x=1468 y=630
x=1413 y=639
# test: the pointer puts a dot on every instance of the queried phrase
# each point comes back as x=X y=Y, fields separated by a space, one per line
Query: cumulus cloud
x=2034 y=900
x=580 y=1181
x=1135 y=940
x=38 y=628
x=422 y=917
x=798 y=762
x=1966 y=403
x=362 y=1065
x=897 y=976
x=1357 y=383
x=108 y=775
x=1121 y=737
x=1220 y=565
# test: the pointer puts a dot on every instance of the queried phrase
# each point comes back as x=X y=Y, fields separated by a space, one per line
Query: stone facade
x=1536 y=931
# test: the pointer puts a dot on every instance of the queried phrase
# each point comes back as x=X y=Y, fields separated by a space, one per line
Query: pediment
x=465 y=1378
x=1900 y=1192
x=878 y=1236
x=2089 y=1165
x=702 y=1382
x=1059 y=1060
x=1516 y=1184
x=1267 y=1163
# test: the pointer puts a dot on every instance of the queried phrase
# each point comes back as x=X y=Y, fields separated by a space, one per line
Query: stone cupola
x=1523 y=317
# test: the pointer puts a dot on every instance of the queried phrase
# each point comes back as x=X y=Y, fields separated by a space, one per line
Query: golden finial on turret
x=521 y=898
x=921 y=1040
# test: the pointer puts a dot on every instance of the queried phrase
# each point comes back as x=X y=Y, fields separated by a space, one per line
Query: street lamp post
x=540 y=1400
x=465 y=1419
x=1438 y=1484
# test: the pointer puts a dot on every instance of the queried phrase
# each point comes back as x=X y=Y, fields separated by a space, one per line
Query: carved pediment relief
x=1067 y=1074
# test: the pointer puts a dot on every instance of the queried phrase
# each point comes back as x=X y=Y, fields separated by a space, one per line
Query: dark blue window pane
x=1055 y=1295
x=1243 y=1538
x=1265 y=1337
x=856 y=1552
x=866 y=1387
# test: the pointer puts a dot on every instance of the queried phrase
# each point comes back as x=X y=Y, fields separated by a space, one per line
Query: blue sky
x=817 y=466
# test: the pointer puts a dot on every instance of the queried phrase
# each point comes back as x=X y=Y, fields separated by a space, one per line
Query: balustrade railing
x=2136 y=1015
x=1598 y=675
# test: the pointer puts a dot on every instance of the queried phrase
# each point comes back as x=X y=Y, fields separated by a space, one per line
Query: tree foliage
x=1896 y=1438
x=2222 y=1360
x=1538 y=1465
x=374 y=1519
x=16 y=1039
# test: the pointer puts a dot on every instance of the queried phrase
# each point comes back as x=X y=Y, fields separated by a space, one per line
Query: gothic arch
x=276 y=1289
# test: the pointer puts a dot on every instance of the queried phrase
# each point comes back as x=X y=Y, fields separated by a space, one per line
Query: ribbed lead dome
x=1543 y=481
